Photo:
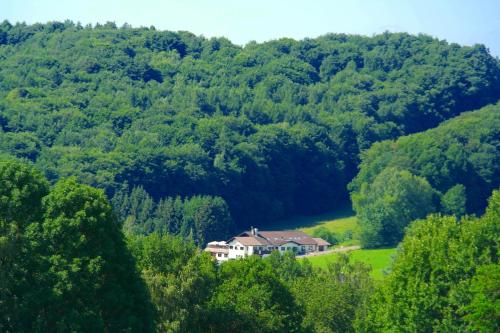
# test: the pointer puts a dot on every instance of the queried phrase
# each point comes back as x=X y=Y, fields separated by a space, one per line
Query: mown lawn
x=339 y=222
x=378 y=259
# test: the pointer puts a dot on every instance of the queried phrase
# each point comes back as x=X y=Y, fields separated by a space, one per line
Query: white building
x=264 y=242
x=219 y=250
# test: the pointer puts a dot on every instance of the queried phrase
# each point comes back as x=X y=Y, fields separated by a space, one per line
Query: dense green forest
x=66 y=266
x=123 y=151
x=450 y=169
x=273 y=129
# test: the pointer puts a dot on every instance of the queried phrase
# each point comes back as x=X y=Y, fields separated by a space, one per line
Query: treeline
x=449 y=169
x=274 y=129
x=66 y=266
x=200 y=219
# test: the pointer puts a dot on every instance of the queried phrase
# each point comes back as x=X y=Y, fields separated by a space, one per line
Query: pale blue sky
x=463 y=21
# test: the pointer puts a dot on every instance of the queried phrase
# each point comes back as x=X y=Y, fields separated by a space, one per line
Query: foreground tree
x=483 y=312
x=63 y=260
x=21 y=192
x=443 y=277
x=179 y=279
x=332 y=297
x=251 y=297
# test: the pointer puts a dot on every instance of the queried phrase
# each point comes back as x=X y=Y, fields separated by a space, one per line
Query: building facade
x=262 y=243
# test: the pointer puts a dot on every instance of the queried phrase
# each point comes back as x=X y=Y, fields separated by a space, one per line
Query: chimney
x=255 y=231
x=252 y=231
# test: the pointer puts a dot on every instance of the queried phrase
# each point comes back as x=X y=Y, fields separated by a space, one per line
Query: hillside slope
x=451 y=169
x=274 y=128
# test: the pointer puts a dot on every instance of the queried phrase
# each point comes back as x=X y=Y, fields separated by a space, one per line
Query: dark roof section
x=321 y=242
x=277 y=237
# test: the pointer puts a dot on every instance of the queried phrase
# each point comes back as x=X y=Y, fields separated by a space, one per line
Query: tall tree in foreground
x=332 y=297
x=63 y=261
x=179 y=278
x=88 y=274
x=21 y=192
x=443 y=278
x=251 y=297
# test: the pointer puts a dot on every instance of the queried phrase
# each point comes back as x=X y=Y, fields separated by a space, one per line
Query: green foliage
x=333 y=296
x=21 y=192
x=21 y=145
x=200 y=218
x=179 y=280
x=483 y=312
x=71 y=271
x=453 y=201
x=188 y=133
x=287 y=267
x=389 y=204
x=379 y=260
x=251 y=297
x=329 y=236
x=275 y=129
x=210 y=216
x=463 y=151
x=441 y=277
x=275 y=294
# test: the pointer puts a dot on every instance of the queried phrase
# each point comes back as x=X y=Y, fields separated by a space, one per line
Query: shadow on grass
x=311 y=221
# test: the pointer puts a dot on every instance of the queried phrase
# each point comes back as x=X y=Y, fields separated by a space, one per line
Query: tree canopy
x=441 y=279
x=458 y=161
x=66 y=266
x=274 y=128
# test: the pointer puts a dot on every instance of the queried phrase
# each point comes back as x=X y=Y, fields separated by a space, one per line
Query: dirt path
x=336 y=250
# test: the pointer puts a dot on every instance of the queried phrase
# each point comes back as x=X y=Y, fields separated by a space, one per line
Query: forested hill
x=451 y=169
x=273 y=128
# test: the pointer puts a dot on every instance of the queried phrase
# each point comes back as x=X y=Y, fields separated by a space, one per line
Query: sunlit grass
x=379 y=259
x=339 y=222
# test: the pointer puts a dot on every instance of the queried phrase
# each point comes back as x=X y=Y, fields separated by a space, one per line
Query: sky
x=466 y=22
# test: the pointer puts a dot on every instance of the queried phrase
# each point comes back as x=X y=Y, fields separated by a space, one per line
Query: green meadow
x=379 y=259
x=339 y=222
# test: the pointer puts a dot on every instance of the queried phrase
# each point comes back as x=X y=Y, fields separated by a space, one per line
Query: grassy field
x=378 y=259
x=338 y=222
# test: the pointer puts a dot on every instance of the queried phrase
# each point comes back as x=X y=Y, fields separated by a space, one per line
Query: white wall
x=236 y=251
x=221 y=256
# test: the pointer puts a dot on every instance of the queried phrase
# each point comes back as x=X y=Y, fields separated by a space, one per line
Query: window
x=225 y=255
x=231 y=247
x=219 y=255
x=242 y=248
x=282 y=248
